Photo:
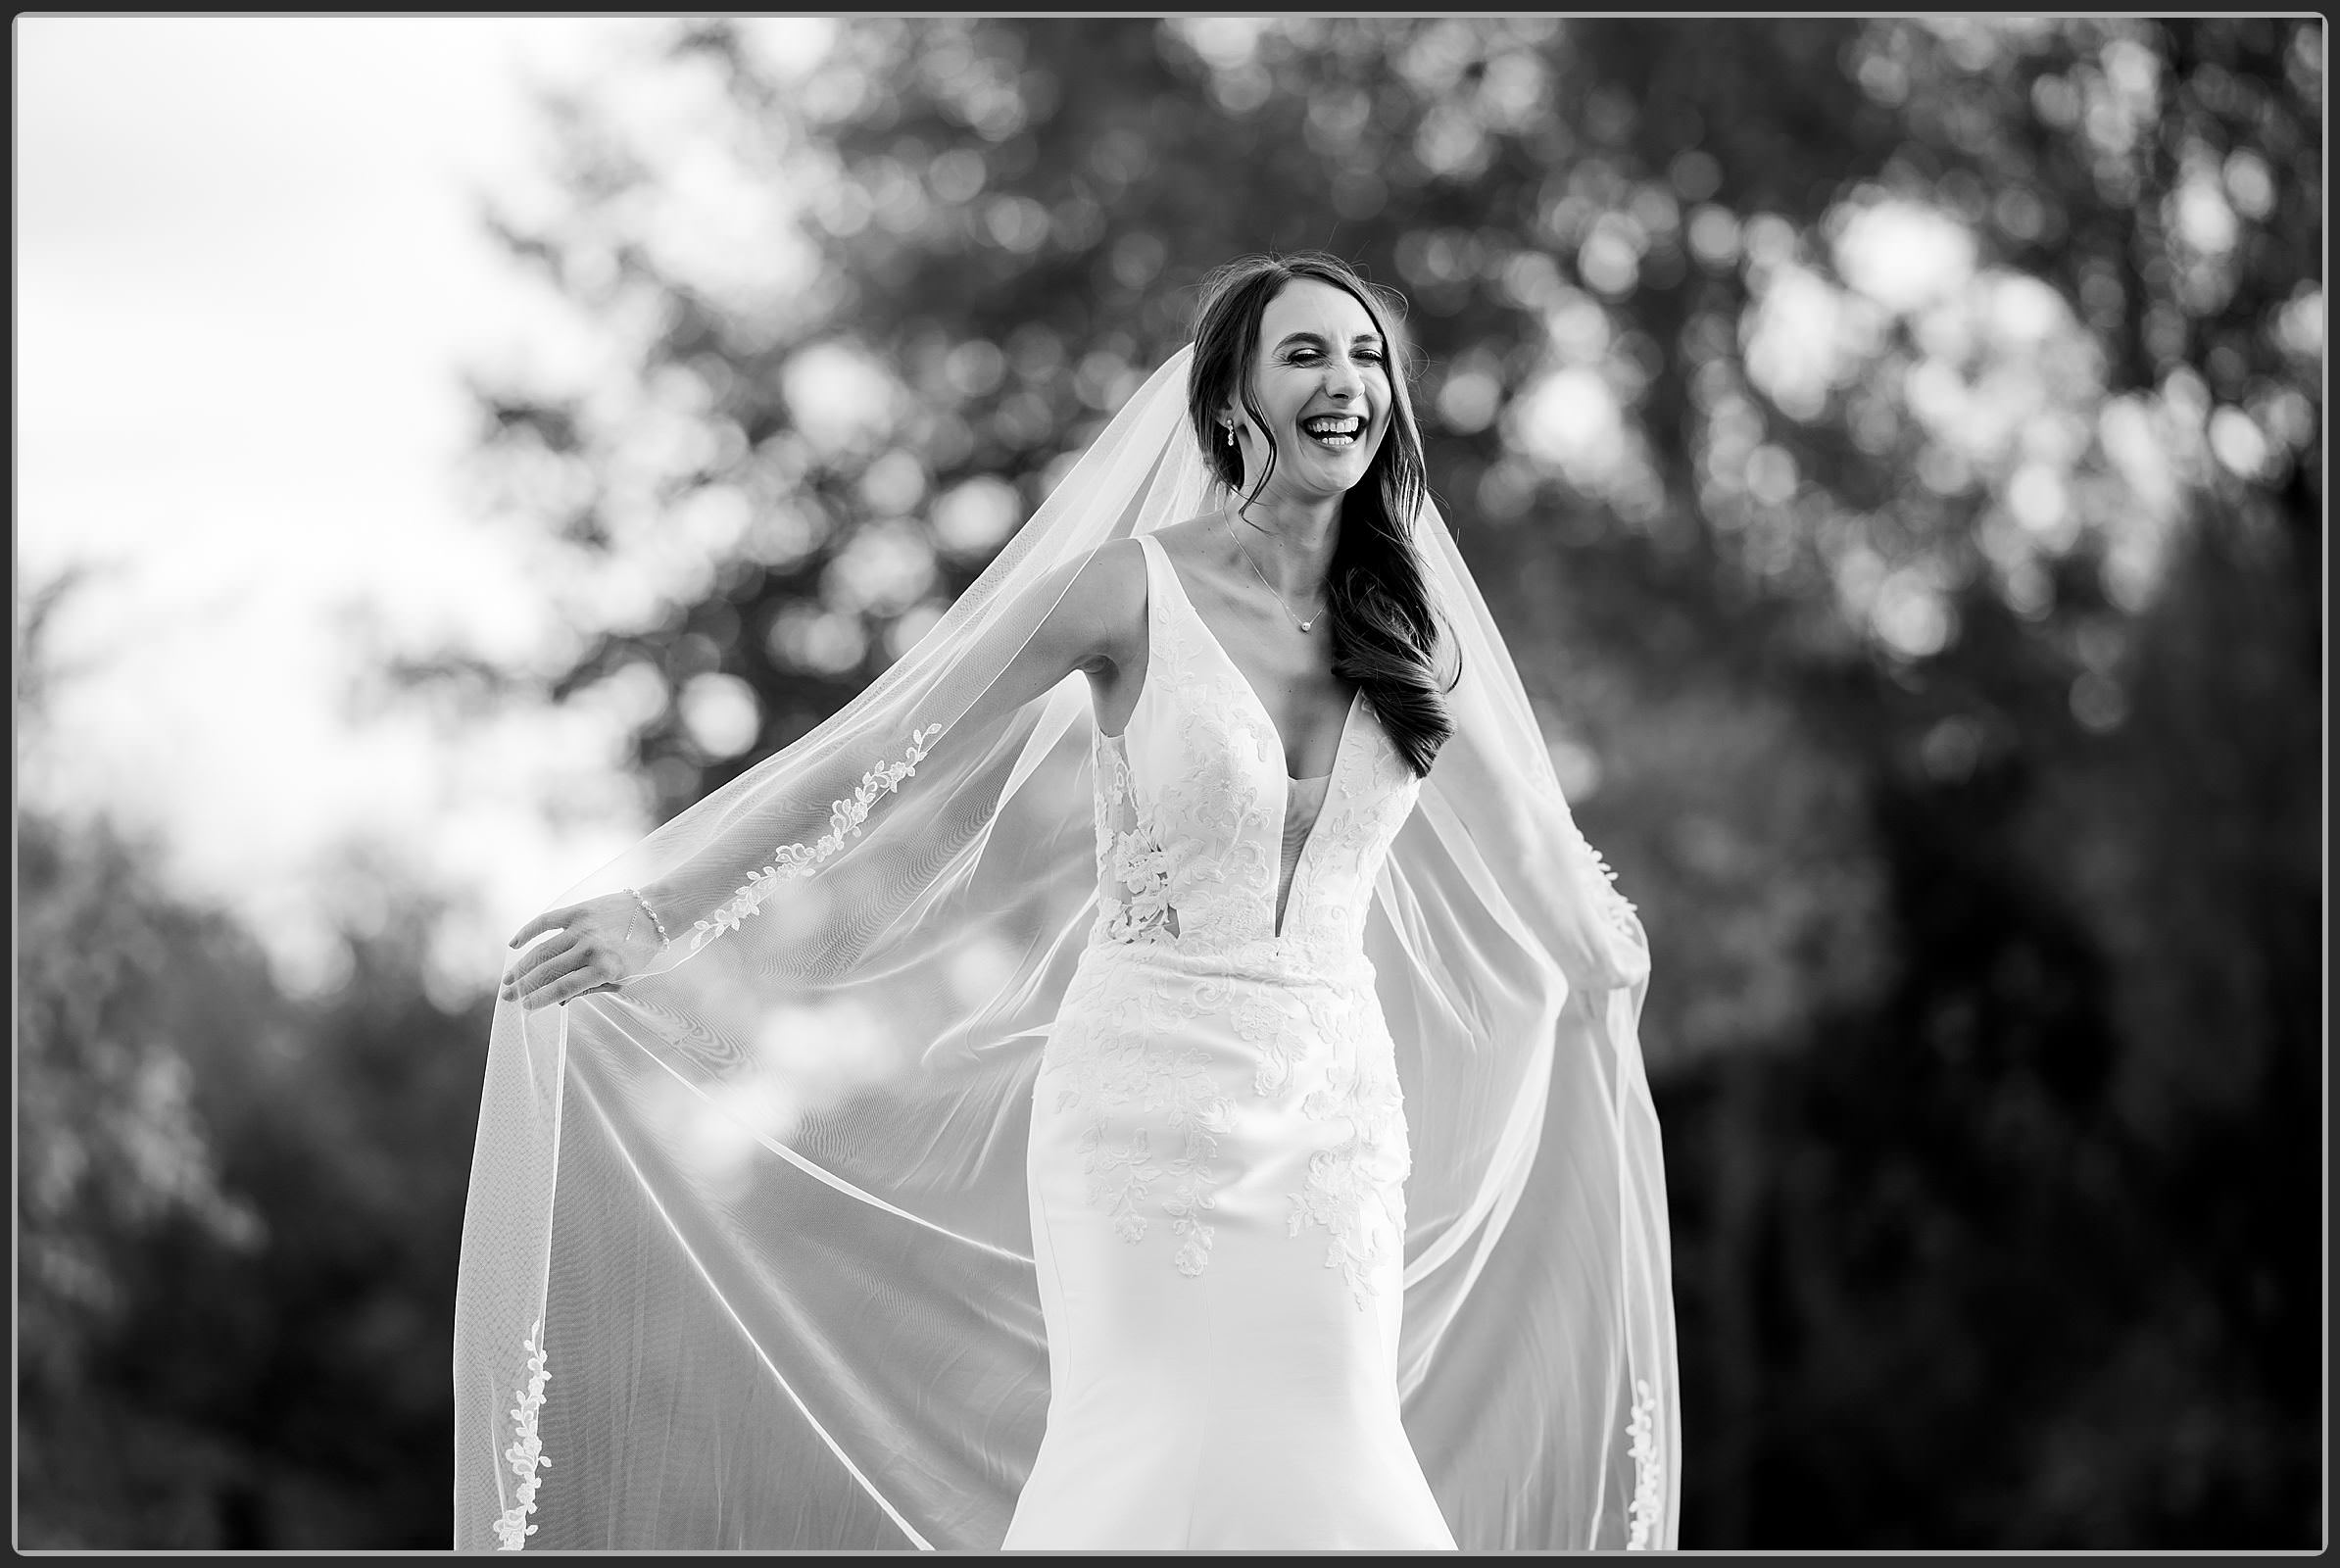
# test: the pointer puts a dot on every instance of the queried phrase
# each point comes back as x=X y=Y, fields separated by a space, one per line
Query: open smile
x=1335 y=431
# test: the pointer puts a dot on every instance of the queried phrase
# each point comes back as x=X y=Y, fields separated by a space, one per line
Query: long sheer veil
x=747 y=1258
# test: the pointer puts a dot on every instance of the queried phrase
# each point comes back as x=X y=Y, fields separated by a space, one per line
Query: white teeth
x=1335 y=431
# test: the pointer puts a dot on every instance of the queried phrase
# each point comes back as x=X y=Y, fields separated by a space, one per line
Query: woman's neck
x=1290 y=541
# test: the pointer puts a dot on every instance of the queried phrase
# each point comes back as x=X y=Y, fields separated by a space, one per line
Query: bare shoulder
x=1101 y=616
x=1115 y=570
x=1190 y=542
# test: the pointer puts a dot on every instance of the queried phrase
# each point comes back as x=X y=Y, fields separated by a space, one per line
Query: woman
x=1214 y=1261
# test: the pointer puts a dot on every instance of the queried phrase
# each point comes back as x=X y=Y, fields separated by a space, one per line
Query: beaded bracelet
x=663 y=939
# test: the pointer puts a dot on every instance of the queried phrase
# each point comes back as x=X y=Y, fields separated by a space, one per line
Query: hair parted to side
x=1385 y=631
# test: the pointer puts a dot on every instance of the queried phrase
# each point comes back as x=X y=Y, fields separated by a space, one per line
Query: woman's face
x=1321 y=378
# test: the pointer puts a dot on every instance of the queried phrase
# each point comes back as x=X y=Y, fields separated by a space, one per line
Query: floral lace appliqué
x=1119 y=1179
x=526 y=1455
x=1616 y=905
x=1134 y=881
x=1190 y=866
x=1127 y=1064
x=792 y=861
x=1262 y=1023
x=1342 y=1192
x=1355 y=1190
x=1648 y=1472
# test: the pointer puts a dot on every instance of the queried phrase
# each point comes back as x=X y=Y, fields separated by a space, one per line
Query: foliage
x=1894 y=450
x=238 y=1222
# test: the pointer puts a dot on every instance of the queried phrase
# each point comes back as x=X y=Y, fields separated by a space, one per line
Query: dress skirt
x=1216 y=1175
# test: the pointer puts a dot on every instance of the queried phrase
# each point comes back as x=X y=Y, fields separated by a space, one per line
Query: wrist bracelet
x=663 y=939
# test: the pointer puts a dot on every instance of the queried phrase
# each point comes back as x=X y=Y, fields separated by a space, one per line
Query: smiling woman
x=1318 y=355
x=875 y=1158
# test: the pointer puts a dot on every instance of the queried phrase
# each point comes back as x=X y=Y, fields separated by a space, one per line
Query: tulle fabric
x=747 y=1258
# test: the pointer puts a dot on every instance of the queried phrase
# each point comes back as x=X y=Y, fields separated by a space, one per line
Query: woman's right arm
x=1094 y=623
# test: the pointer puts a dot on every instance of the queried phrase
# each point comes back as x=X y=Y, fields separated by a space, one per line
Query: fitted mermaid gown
x=1218 y=1151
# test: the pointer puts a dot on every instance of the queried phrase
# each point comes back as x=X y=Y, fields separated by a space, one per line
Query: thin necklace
x=1262 y=577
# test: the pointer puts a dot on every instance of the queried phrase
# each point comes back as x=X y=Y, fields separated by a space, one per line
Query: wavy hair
x=1386 y=630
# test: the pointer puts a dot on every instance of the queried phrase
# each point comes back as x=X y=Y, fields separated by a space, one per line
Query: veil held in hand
x=747 y=1259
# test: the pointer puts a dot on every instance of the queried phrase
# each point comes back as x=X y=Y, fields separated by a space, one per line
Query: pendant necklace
x=1262 y=577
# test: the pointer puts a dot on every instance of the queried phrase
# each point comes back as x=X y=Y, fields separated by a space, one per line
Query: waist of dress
x=1265 y=961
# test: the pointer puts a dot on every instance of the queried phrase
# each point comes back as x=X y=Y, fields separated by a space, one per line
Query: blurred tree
x=110 y=1151
x=238 y=1216
x=238 y=1212
x=1894 y=450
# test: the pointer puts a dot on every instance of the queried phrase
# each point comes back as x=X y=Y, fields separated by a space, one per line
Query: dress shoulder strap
x=1161 y=590
x=1157 y=633
x=1165 y=594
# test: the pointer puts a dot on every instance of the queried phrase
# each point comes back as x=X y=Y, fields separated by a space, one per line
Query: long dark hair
x=1386 y=632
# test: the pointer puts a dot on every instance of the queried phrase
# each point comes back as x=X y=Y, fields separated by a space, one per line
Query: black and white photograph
x=1112 y=783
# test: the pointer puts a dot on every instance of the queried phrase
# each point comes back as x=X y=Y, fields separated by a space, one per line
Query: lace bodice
x=1193 y=803
x=1303 y=803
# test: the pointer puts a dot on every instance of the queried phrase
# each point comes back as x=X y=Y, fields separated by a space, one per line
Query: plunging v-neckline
x=1340 y=740
x=1299 y=860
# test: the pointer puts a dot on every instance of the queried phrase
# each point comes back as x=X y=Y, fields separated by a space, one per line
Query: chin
x=1335 y=472
x=1342 y=476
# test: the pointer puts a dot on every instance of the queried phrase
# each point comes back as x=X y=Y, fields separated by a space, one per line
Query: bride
x=1197 y=1106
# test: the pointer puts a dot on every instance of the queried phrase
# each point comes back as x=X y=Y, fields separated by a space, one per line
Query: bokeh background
x=1893 y=449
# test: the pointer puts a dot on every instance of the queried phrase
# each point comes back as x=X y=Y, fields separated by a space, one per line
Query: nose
x=1341 y=379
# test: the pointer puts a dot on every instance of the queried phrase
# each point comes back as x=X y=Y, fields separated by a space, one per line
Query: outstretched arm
x=1091 y=606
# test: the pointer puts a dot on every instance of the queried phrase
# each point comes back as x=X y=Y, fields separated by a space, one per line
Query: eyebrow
x=1290 y=338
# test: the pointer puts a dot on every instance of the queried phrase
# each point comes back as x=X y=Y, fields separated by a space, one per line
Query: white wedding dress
x=1218 y=1154
x=960 y=1175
